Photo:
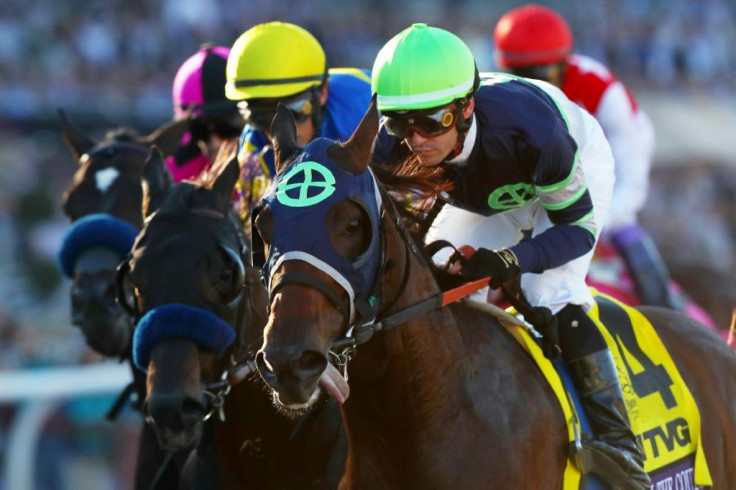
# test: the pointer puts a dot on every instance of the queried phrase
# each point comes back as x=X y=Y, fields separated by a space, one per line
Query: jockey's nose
x=414 y=137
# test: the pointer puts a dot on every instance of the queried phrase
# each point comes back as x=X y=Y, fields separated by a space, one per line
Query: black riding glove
x=500 y=265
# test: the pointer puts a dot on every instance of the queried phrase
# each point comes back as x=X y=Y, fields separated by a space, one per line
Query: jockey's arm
x=561 y=187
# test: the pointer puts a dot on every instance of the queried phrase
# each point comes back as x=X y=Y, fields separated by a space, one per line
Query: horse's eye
x=226 y=275
x=353 y=226
x=231 y=277
x=128 y=296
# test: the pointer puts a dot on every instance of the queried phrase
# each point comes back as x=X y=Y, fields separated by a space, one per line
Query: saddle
x=662 y=410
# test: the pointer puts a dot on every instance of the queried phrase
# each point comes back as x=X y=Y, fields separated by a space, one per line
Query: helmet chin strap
x=463 y=126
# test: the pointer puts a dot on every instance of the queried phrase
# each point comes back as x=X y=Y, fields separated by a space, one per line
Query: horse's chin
x=174 y=441
x=294 y=410
x=111 y=338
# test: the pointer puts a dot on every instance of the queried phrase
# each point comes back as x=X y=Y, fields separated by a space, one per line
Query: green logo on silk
x=302 y=194
x=511 y=196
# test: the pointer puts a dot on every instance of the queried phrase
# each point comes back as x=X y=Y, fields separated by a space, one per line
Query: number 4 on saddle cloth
x=662 y=410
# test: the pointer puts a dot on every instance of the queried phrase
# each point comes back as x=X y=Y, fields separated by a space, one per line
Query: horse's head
x=104 y=203
x=188 y=279
x=316 y=235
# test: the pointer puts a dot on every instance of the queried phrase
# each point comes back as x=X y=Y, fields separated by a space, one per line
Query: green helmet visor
x=428 y=123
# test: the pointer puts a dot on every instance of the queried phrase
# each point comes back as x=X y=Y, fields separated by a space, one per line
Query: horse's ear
x=78 y=142
x=354 y=154
x=224 y=184
x=283 y=137
x=167 y=136
x=156 y=181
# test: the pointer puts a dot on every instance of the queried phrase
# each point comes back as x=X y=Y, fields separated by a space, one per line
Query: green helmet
x=422 y=67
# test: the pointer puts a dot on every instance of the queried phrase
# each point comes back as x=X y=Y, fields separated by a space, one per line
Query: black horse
x=104 y=202
x=202 y=310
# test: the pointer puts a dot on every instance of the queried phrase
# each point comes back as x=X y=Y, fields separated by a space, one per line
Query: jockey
x=529 y=178
x=535 y=42
x=199 y=93
x=277 y=62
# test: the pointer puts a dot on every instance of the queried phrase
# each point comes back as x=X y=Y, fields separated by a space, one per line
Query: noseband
x=215 y=391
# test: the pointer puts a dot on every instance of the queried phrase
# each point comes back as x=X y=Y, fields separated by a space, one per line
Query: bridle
x=371 y=316
x=215 y=392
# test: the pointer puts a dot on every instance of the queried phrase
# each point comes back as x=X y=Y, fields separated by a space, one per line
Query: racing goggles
x=428 y=123
x=259 y=113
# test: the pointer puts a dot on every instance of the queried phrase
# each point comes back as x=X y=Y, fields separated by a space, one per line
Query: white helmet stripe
x=324 y=267
x=399 y=100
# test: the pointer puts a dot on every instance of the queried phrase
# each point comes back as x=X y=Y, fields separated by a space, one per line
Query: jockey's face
x=259 y=113
x=305 y=131
x=433 y=150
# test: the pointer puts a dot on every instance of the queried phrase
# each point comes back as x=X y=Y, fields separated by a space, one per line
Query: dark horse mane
x=121 y=133
x=417 y=194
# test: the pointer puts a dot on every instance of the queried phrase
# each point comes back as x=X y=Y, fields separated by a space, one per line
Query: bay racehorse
x=104 y=202
x=446 y=398
x=202 y=309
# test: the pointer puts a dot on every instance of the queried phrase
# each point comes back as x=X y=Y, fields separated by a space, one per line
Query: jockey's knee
x=579 y=335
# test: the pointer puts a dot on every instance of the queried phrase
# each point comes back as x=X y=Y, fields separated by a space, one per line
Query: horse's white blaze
x=105 y=178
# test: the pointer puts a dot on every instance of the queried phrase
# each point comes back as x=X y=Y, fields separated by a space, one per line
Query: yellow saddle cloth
x=662 y=410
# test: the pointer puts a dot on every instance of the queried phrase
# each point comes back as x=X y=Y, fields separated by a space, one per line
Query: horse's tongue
x=333 y=383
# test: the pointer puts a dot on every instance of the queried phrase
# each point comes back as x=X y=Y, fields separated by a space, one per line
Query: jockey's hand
x=500 y=265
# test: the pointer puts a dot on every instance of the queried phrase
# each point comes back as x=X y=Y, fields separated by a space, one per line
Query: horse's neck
x=404 y=380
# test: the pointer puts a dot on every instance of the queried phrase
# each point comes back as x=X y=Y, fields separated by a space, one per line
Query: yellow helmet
x=274 y=60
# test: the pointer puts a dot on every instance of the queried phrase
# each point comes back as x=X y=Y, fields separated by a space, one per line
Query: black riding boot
x=614 y=455
x=646 y=267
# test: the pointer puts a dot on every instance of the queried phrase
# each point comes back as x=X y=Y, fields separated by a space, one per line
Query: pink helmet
x=200 y=84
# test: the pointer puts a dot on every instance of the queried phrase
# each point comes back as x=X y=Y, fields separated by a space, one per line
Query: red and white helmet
x=531 y=35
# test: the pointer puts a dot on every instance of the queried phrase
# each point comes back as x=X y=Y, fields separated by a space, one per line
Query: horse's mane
x=121 y=134
x=416 y=189
x=228 y=150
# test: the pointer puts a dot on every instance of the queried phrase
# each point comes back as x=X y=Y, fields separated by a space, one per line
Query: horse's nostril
x=192 y=410
x=261 y=363
x=311 y=361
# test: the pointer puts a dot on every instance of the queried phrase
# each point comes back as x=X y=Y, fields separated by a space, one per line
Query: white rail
x=39 y=391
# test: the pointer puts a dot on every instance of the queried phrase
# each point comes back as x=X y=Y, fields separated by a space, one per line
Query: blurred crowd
x=120 y=55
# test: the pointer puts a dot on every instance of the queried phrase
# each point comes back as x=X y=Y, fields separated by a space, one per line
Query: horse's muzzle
x=177 y=420
x=293 y=375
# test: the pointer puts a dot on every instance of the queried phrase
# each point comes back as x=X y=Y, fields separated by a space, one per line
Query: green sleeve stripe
x=559 y=185
x=590 y=229
x=568 y=202
x=587 y=223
